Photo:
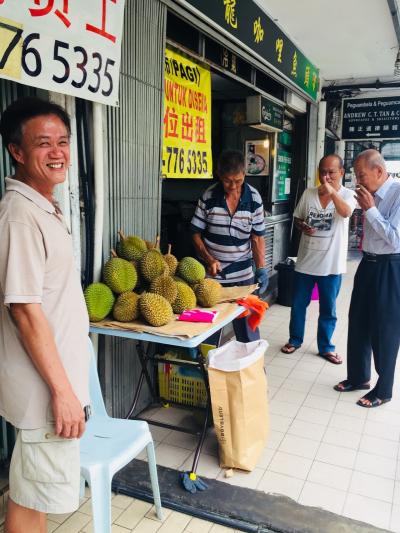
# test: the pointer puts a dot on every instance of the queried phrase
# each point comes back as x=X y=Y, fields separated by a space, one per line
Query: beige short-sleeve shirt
x=37 y=266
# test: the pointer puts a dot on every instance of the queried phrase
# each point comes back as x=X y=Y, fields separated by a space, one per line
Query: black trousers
x=374 y=323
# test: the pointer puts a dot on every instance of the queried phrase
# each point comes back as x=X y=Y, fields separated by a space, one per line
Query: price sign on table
x=59 y=46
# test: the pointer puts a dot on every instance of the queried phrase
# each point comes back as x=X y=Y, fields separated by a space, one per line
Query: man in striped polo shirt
x=228 y=232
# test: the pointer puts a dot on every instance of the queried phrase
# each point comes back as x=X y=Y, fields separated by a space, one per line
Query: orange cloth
x=255 y=309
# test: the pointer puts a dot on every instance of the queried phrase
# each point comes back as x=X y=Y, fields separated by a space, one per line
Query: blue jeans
x=328 y=289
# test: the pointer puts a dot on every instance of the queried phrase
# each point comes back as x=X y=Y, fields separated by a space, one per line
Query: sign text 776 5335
x=64 y=47
x=187 y=118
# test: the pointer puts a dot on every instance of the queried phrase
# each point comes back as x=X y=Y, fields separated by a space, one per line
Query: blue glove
x=192 y=483
x=261 y=277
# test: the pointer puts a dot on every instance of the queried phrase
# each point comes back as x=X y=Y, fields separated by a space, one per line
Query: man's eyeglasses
x=328 y=172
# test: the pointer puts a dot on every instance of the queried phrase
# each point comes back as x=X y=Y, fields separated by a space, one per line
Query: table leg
x=206 y=414
x=144 y=374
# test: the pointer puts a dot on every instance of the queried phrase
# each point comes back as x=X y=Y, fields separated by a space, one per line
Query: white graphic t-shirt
x=324 y=252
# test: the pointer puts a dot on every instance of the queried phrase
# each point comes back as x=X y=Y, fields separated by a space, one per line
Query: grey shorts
x=45 y=471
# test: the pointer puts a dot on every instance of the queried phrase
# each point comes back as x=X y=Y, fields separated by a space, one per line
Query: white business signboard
x=373 y=118
x=67 y=46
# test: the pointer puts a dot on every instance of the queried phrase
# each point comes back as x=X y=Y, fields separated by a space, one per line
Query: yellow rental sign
x=187 y=119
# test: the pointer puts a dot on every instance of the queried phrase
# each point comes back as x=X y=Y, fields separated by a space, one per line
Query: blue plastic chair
x=107 y=445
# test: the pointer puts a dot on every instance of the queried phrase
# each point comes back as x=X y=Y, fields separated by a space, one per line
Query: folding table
x=145 y=356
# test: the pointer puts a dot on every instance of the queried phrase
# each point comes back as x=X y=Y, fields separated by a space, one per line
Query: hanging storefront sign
x=60 y=46
x=371 y=118
x=263 y=113
x=246 y=21
x=187 y=119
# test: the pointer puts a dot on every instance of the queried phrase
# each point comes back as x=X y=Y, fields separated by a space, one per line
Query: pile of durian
x=139 y=282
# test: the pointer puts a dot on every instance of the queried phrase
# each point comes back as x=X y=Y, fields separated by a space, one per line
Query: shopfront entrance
x=275 y=152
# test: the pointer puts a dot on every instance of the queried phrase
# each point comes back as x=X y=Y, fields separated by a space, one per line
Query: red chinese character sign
x=187 y=119
x=64 y=47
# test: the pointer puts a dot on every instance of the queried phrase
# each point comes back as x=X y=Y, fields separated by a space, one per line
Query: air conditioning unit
x=295 y=102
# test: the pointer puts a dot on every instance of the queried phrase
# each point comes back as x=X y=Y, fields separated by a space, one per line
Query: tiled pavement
x=129 y=515
x=323 y=450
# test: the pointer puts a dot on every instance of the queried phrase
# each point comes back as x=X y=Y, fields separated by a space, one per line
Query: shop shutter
x=269 y=247
x=132 y=168
x=9 y=91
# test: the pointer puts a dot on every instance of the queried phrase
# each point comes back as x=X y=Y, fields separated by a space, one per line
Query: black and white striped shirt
x=227 y=237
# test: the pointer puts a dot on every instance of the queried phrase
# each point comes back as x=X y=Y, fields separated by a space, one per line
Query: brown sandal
x=289 y=348
x=332 y=357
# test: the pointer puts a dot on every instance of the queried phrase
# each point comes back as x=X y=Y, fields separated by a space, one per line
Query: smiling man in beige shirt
x=44 y=355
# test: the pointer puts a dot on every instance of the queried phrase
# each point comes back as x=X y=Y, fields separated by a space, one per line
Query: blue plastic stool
x=107 y=445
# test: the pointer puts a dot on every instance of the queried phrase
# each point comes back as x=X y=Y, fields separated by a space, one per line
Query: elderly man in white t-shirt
x=322 y=215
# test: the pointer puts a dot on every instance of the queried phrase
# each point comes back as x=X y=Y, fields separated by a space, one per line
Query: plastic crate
x=187 y=390
x=182 y=384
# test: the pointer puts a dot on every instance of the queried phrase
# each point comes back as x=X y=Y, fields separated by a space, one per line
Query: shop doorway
x=229 y=130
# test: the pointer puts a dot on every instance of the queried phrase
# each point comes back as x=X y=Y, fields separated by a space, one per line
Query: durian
x=165 y=286
x=171 y=261
x=155 y=309
x=126 y=308
x=120 y=275
x=152 y=265
x=208 y=292
x=191 y=270
x=185 y=299
x=99 y=301
x=131 y=248
x=181 y=280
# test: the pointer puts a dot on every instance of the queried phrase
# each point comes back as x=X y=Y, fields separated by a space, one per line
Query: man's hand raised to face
x=325 y=188
x=364 y=198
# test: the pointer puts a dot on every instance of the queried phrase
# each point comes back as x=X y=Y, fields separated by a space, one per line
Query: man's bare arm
x=342 y=208
x=258 y=249
x=38 y=341
x=213 y=264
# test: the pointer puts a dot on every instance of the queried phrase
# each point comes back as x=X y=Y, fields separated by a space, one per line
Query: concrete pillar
x=320 y=135
x=339 y=148
x=312 y=144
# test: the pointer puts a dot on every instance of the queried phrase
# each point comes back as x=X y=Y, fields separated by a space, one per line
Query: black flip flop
x=348 y=387
x=375 y=402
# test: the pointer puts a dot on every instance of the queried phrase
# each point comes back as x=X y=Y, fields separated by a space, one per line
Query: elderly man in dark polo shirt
x=228 y=232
